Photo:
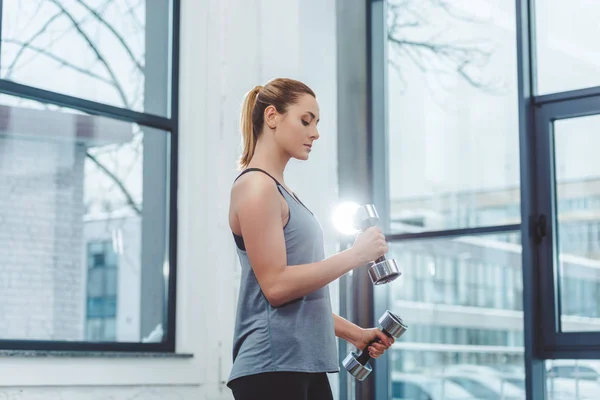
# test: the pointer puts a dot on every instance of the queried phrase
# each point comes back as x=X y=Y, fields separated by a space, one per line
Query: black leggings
x=282 y=386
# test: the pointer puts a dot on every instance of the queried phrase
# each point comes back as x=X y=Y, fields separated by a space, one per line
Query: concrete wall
x=227 y=47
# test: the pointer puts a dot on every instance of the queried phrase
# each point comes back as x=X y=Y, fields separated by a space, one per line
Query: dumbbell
x=358 y=364
x=382 y=270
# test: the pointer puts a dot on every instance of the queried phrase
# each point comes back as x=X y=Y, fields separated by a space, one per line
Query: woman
x=284 y=340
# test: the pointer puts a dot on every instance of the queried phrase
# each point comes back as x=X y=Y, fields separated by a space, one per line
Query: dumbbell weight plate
x=357 y=364
x=392 y=324
x=355 y=368
x=384 y=272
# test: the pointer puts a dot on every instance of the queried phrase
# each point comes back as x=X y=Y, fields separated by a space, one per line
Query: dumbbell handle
x=368 y=223
x=364 y=356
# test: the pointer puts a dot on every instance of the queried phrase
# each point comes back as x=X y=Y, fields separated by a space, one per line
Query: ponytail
x=249 y=133
x=279 y=93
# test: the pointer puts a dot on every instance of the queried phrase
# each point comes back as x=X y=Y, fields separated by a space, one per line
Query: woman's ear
x=271 y=117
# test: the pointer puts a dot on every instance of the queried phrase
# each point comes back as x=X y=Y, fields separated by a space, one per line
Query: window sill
x=90 y=354
x=21 y=367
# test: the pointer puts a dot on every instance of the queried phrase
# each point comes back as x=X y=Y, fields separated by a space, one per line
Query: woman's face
x=296 y=130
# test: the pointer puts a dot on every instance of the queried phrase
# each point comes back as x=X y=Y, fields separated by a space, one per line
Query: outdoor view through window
x=453 y=155
x=83 y=202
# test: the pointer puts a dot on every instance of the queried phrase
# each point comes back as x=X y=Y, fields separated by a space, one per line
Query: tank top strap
x=282 y=190
x=260 y=170
x=239 y=240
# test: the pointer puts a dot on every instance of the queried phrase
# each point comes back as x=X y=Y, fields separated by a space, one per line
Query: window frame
x=170 y=126
x=557 y=344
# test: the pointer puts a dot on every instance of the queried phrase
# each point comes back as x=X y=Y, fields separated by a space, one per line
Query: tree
x=418 y=33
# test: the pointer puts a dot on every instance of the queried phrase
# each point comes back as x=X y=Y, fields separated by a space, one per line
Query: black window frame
x=170 y=125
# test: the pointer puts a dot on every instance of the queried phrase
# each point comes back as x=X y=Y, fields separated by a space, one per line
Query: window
x=577 y=174
x=451 y=70
x=567 y=129
x=480 y=112
x=88 y=152
x=448 y=336
x=565 y=45
x=102 y=51
x=575 y=378
x=446 y=171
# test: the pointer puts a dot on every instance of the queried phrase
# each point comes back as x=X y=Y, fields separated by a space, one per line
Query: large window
x=106 y=51
x=88 y=155
x=566 y=130
x=451 y=71
x=461 y=298
x=486 y=173
x=577 y=172
x=454 y=198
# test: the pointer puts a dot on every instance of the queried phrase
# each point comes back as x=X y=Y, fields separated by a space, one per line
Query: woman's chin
x=302 y=157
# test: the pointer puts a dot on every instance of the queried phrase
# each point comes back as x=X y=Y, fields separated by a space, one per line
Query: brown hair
x=279 y=93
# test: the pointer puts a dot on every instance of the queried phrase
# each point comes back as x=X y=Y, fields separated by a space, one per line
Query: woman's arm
x=346 y=330
x=258 y=208
x=360 y=337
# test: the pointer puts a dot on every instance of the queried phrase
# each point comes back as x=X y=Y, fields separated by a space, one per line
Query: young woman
x=285 y=331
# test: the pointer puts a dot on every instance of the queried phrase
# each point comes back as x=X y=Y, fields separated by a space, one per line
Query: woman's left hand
x=365 y=336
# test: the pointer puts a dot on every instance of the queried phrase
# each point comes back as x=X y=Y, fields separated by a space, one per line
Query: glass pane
x=96 y=283
x=84 y=221
x=465 y=329
x=572 y=379
x=452 y=115
x=567 y=49
x=103 y=51
x=577 y=171
x=112 y=281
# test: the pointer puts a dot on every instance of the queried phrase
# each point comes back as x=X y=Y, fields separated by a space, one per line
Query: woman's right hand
x=369 y=245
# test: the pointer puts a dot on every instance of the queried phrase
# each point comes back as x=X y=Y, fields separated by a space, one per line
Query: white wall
x=227 y=47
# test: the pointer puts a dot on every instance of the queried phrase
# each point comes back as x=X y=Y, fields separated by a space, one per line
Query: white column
x=245 y=43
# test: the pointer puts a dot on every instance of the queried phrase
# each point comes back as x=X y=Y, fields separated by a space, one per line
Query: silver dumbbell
x=358 y=364
x=382 y=270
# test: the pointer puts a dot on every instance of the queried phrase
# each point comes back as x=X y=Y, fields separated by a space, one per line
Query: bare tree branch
x=58 y=59
x=28 y=43
x=433 y=54
x=117 y=181
x=96 y=52
x=130 y=11
x=101 y=19
x=39 y=33
x=416 y=58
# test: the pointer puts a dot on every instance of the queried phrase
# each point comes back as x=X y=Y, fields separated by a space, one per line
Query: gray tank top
x=297 y=336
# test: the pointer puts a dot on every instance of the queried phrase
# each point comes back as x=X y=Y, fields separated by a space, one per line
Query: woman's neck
x=269 y=157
